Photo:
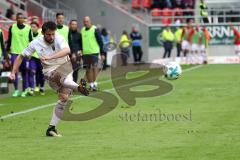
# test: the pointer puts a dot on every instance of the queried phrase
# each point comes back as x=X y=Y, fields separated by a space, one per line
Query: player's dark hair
x=73 y=20
x=59 y=14
x=19 y=14
x=49 y=26
x=35 y=23
x=104 y=32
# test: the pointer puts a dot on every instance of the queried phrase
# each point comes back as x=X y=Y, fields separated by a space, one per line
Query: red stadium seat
x=166 y=13
x=147 y=3
x=178 y=11
x=136 y=4
x=156 y=12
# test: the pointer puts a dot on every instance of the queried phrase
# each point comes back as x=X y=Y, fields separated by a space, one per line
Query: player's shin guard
x=58 y=112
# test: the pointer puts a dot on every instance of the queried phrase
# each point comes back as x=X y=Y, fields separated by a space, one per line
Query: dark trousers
x=137 y=53
x=105 y=61
x=205 y=20
x=75 y=65
x=179 y=49
x=168 y=45
x=124 y=56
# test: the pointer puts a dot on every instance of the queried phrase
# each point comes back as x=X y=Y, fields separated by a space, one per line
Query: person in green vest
x=168 y=39
x=2 y=49
x=178 y=42
x=124 y=45
x=35 y=66
x=18 y=38
x=203 y=11
x=61 y=28
x=92 y=46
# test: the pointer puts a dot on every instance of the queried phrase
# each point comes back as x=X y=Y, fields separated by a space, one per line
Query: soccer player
x=204 y=39
x=194 y=39
x=184 y=39
x=61 y=28
x=18 y=38
x=53 y=52
x=35 y=66
x=236 y=40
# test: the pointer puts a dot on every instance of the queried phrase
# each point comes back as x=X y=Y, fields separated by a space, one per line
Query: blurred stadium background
x=148 y=15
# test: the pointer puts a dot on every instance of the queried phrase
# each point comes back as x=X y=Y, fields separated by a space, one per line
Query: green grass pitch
x=206 y=98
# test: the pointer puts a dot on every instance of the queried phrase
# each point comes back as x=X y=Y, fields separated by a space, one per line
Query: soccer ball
x=172 y=70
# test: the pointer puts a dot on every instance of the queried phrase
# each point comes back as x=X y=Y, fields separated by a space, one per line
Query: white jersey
x=44 y=49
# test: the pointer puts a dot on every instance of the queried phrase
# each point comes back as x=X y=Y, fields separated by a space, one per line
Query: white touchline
x=74 y=98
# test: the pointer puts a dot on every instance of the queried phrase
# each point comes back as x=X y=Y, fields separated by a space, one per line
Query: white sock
x=57 y=112
x=92 y=84
x=204 y=57
x=195 y=61
x=69 y=83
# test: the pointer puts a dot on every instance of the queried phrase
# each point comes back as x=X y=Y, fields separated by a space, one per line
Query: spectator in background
x=178 y=4
x=2 y=49
x=168 y=38
x=10 y=12
x=189 y=11
x=168 y=4
x=124 y=45
x=74 y=40
x=106 y=40
x=203 y=11
x=61 y=28
x=177 y=36
x=136 y=38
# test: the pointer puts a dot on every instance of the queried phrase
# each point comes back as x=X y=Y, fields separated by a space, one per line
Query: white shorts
x=195 y=47
x=185 y=45
x=202 y=48
x=55 y=79
x=237 y=49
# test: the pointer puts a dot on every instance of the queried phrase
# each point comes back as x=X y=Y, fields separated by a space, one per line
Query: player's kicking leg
x=64 y=86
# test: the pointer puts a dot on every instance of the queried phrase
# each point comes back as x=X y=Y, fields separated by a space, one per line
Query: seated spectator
x=10 y=12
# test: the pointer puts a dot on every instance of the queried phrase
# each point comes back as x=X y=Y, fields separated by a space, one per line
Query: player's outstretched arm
x=64 y=52
x=16 y=65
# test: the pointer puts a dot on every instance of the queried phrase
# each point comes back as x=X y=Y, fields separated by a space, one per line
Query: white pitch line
x=74 y=98
x=192 y=68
